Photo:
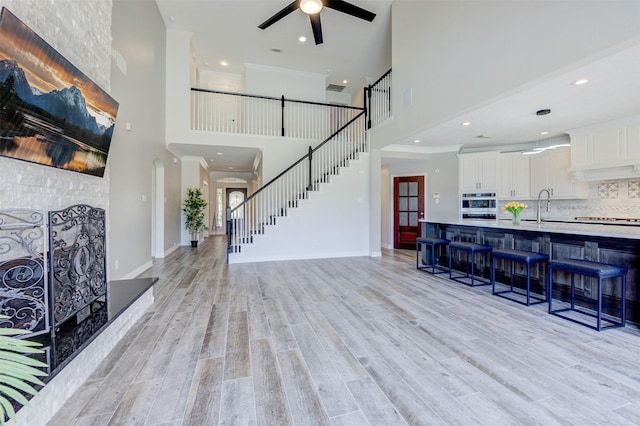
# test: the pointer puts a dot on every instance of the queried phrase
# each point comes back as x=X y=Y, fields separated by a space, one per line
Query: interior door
x=408 y=207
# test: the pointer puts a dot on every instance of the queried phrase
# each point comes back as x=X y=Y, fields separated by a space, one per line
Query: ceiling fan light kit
x=313 y=9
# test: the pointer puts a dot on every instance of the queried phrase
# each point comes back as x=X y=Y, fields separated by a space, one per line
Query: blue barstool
x=470 y=249
x=528 y=258
x=589 y=269
x=433 y=244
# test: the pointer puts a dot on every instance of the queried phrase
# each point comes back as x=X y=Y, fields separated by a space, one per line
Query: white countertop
x=597 y=230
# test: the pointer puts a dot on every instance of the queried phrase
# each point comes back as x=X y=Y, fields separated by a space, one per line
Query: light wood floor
x=353 y=341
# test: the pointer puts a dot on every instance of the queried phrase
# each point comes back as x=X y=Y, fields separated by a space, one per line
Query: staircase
x=302 y=212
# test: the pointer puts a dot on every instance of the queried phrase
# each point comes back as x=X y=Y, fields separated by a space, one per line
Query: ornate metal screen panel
x=23 y=283
x=78 y=259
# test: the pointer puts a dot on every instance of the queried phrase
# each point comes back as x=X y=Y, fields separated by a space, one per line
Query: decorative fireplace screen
x=23 y=283
x=78 y=259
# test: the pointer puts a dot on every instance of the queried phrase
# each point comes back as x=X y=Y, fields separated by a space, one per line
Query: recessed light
x=224 y=63
x=344 y=81
x=544 y=133
x=466 y=123
x=302 y=39
x=581 y=81
x=416 y=141
x=219 y=153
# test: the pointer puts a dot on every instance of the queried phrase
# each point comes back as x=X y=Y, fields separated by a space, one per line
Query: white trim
x=133 y=274
x=332 y=255
x=171 y=250
x=420 y=149
x=376 y=254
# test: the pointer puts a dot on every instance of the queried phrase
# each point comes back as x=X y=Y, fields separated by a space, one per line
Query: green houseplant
x=17 y=370
x=193 y=209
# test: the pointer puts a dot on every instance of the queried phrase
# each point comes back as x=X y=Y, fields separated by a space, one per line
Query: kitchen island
x=614 y=244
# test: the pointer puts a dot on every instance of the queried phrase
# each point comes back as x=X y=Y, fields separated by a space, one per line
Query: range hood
x=618 y=170
x=606 y=151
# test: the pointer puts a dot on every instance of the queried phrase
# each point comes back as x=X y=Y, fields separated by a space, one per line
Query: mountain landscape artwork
x=50 y=112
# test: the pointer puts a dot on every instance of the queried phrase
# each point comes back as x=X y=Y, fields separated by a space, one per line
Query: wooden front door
x=235 y=196
x=408 y=207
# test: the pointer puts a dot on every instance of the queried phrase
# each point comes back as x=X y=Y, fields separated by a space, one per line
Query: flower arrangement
x=515 y=208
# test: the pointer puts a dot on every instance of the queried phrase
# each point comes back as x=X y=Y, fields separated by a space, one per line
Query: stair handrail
x=297 y=101
x=304 y=157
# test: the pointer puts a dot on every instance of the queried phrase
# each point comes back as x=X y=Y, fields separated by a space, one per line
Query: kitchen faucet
x=538 y=218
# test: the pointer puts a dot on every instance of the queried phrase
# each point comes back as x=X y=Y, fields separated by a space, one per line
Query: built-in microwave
x=478 y=205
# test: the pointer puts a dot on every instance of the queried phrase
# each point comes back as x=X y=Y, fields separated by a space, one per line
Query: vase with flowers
x=515 y=208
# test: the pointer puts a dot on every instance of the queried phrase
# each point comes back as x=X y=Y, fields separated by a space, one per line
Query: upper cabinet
x=550 y=170
x=514 y=176
x=607 y=151
x=478 y=172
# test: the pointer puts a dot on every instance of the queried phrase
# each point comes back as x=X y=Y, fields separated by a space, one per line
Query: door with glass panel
x=408 y=207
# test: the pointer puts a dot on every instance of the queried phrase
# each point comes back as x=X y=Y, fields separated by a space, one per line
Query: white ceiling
x=354 y=50
x=227 y=30
x=613 y=91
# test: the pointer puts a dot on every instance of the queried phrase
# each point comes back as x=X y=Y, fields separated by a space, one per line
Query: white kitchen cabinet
x=514 y=180
x=478 y=172
x=550 y=170
x=606 y=151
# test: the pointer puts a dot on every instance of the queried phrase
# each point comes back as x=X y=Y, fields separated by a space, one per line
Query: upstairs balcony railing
x=226 y=112
x=378 y=100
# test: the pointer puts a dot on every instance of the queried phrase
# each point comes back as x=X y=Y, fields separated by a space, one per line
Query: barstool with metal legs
x=433 y=244
x=528 y=258
x=471 y=249
x=597 y=270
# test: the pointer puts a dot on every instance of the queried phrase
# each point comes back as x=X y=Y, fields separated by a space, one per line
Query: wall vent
x=335 y=88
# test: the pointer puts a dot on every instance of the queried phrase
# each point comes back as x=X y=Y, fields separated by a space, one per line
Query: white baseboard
x=171 y=250
x=133 y=274
x=376 y=254
x=238 y=258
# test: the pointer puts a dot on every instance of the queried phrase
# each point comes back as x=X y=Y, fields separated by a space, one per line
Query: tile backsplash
x=608 y=199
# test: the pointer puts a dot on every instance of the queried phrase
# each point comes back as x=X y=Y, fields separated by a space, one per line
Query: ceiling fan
x=313 y=8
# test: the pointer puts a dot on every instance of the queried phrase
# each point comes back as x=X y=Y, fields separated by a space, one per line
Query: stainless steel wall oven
x=478 y=205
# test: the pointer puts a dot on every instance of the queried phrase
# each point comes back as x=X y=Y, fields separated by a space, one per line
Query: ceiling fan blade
x=350 y=9
x=278 y=16
x=317 y=28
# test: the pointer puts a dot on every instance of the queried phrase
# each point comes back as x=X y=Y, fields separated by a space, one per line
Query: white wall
x=224 y=81
x=443 y=178
x=87 y=45
x=332 y=222
x=276 y=82
x=459 y=55
x=178 y=85
x=139 y=37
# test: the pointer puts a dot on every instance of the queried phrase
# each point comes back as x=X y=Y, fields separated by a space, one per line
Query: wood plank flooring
x=356 y=341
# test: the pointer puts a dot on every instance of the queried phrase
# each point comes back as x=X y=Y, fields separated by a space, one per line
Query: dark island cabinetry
x=617 y=245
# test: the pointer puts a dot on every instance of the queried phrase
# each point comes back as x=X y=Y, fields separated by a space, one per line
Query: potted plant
x=18 y=372
x=193 y=209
